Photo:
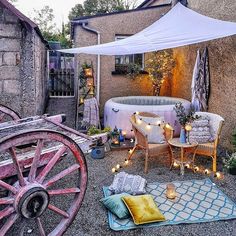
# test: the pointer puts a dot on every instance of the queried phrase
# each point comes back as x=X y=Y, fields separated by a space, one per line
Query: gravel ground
x=92 y=217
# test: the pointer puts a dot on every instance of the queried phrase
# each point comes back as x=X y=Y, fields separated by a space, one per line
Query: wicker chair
x=141 y=141
x=210 y=149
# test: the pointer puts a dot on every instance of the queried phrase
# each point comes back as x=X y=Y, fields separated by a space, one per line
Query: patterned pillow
x=154 y=131
x=115 y=204
x=132 y=184
x=201 y=130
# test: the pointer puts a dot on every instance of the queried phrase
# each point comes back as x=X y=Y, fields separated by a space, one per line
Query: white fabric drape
x=180 y=26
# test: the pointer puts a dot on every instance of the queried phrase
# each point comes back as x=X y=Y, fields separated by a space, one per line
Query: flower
x=183 y=116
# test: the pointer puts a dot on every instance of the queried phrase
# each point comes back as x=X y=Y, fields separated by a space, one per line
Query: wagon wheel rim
x=36 y=184
x=6 y=112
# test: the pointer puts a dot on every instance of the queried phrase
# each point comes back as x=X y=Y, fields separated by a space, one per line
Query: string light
x=118 y=166
x=137 y=112
x=113 y=170
x=175 y=164
x=206 y=171
x=139 y=121
x=187 y=166
x=130 y=151
x=126 y=161
x=148 y=126
x=196 y=168
x=131 y=140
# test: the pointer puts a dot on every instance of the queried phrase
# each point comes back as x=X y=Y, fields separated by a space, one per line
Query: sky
x=60 y=8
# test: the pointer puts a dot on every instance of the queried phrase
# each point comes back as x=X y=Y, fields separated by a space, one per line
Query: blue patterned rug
x=197 y=201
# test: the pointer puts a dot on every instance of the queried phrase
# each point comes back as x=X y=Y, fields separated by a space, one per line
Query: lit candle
x=113 y=170
x=170 y=191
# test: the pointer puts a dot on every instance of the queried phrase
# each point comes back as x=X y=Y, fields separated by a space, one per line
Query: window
x=121 y=62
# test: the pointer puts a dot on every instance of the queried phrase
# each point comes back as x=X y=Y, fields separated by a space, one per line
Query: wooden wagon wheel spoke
x=40 y=178
x=58 y=211
x=63 y=191
x=40 y=226
x=36 y=159
x=61 y=175
x=8 y=224
x=8 y=187
x=6 y=201
x=6 y=212
x=2 y=116
x=19 y=172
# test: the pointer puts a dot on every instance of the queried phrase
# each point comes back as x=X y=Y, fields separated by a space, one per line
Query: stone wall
x=109 y=26
x=222 y=57
x=22 y=66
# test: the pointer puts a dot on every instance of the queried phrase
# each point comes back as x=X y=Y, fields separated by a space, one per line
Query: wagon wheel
x=7 y=114
x=33 y=197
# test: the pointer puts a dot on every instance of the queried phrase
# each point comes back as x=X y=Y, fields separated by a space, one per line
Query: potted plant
x=184 y=119
x=230 y=164
x=88 y=69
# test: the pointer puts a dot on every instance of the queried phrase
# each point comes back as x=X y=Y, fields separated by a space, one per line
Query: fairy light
x=175 y=164
x=130 y=151
x=113 y=170
x=187 y=166
x=196 y=168
x=131 y=140
x=139 y=121
x=118 y=166
x=137 y=112
x=148 y=126
x=207 y=172
x=126 y=162
x=158 y=122
x=218 y=175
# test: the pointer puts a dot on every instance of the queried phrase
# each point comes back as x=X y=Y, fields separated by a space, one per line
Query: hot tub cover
x=180 y=26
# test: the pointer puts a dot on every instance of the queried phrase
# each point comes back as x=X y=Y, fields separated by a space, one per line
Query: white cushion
x=152 y=127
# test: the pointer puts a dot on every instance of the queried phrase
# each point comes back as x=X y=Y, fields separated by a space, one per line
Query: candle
x=170 y=191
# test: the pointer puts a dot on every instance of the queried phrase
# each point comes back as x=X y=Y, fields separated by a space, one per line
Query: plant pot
x=98 y=152
x=232 y=171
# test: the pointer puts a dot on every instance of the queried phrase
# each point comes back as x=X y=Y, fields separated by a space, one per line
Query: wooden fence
x=61 y=82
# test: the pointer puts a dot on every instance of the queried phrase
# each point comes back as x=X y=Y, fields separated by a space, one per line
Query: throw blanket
x=91 y=112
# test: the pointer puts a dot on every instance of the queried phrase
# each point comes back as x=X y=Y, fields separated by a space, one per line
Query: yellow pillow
x=143 y=209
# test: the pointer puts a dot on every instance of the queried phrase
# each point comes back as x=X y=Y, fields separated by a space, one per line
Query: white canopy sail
x=180 y=26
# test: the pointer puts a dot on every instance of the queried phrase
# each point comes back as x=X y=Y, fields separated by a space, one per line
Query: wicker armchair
x=210 y=149
x=141 y=141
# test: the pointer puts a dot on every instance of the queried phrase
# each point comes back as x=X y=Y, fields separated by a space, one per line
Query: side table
x=183 y=160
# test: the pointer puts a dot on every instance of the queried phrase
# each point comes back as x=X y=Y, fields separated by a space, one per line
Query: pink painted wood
x=7 y=113
x=33 y=178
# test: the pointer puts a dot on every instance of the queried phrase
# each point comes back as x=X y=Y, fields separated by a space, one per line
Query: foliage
x=230 y=162
x=183 y=116
x=93 y=7
x=44 y=19
x=94 y=130
x=133 y=70
x=234 y=138
x=86 y=65
x=159 y=66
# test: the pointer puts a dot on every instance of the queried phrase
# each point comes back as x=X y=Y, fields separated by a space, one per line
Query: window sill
x=142 y=72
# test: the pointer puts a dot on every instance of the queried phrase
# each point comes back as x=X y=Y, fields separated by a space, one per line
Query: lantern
x=188 y=128
x=170 y=191
x=115 y=137
x=90 y=82
x=88 y=72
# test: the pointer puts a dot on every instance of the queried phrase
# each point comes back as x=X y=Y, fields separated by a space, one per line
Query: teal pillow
x=115 y=204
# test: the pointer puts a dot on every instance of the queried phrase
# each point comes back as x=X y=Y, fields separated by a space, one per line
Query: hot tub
x=118 y=110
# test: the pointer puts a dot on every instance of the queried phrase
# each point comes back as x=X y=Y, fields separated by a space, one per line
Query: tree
x=159 y=67
x=93 y=7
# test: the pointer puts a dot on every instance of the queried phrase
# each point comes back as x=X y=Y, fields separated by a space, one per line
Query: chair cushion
x=143 y=209
x=115 y=204
x=132 y=184
x=200 y=130
x=152 y=127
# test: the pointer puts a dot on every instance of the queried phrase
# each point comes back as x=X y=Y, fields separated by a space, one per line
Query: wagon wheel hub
x=33 y=203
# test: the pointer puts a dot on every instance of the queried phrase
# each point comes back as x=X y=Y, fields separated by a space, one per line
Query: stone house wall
x=127 y=23
x=22 y=66
x=222 y=59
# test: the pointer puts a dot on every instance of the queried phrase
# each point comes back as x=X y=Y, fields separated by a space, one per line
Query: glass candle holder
x=170 y=191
